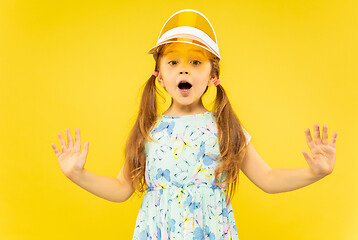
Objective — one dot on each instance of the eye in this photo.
(172, 61)
(197, 62)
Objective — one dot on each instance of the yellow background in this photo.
(82, 64)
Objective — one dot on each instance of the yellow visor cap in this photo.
(188, 26)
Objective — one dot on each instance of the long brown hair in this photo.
(231, 137)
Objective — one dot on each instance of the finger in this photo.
(62, 142)
(55, 149)
(334, 139)
(69, 138)
(309, 139)
(77, 140)
(317, 136)
(307, 157)
(85, 149)
(325, 134)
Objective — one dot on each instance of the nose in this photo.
(184, 69)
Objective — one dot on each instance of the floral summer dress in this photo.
(182, 201)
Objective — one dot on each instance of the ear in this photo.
(160, 80)
(212, 81)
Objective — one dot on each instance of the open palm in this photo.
(323, 155)
(71, 160)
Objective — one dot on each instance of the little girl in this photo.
(187, 158)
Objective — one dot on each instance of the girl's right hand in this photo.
(71, 160)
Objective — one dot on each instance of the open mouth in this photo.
(184, 86)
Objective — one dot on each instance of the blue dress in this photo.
(182, 201)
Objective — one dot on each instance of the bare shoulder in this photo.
(255, 168)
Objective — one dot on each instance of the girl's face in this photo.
(185, 62)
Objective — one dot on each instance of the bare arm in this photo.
(102, 186)
(109, 188)
(276, 180)
(289, 179)
(255, 168)
(72, 161)
(321, 163)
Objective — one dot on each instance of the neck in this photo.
(175, 110)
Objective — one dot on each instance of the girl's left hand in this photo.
(323, 154)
